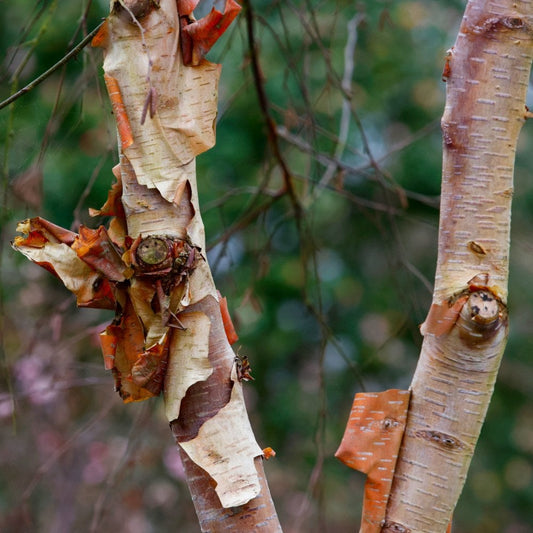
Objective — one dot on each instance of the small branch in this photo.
(263, 102)
(344, 127)
(52, 69)
(75, 226)
(247, 218)
(363, 169)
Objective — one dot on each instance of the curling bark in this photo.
(487, 76)
(156, 55)
(169, 333)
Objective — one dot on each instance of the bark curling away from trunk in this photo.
(487, 76)
(171, 331)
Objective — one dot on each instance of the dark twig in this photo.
(52, 69)
(265, 108)
(247, 218)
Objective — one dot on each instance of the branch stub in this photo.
(152, 251)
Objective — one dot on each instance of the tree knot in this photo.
(482, 317)
(394, 527)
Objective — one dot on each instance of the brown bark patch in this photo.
(394, 527)
(476, 248)
(205, 398)
(441, 439)
(498, 24)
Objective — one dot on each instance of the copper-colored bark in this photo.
(370, 444)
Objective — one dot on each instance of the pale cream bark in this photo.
(203, 395)
(168, 330)
(487, 75)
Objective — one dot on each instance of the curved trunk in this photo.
(487, 75)
(155, 54)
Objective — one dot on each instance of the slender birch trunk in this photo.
(169, 333)
(487, 76)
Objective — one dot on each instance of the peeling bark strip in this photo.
(149, 265)
(123, 122)
(370, 444)
(487, 75)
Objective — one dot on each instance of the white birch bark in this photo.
(465, 333)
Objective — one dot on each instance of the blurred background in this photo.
(326, 304)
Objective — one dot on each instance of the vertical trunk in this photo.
(157, 60)
(487, 75)
(150, 266)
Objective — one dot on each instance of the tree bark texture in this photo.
(169, 333)
(487, 75)
(202, 402)
(203, 393)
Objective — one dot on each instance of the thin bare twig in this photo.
(265, 109)
(75, 226)
(75, 51)
(326, 160)
(344, 126)
(50, 126)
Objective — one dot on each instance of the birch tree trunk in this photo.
(169, 333)
(487, 76)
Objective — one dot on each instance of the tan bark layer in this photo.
(258, 514)
(487, 74)
(202, 402)
(205, 398)
(151, 268)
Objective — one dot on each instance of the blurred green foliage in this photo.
(326, 305)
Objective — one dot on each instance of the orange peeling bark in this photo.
(168, 330)
(370, 444)
(229, 328)
(119, 109)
